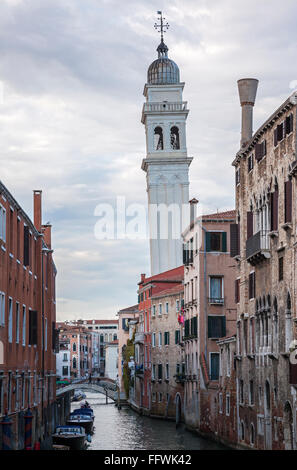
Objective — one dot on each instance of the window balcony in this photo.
(216, 301)
(258, 247)
(139, 338)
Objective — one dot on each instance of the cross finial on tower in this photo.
(163, 26)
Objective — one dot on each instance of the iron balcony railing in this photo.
(257, 244)
(216, 300)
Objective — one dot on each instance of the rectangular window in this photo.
(166, 338)
(154, 372)
(216, 241)
(160, 309)
(65, 370)
(167, 371)
(177, 305)
(252, 285)
(9, 387)
(281, 269)
(167, 307)
(160, 339)
(250, 162)
(289, 124)
(154, 340)
(17, 323)
(2, 223)
(160, 397)
(288, 201)
(227, 405)
(45, 334)
(24, 326)
(241, 392)
(10, 320)
(214, 366)
(160, 372)
(32, 327)
(154, 311)
(11, 231)
(260, 150)
(177, 336)
(2, 309)
(250, 224)
(216, 295)
(234, 240)
(216, 326)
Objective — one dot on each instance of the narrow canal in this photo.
(126, 430)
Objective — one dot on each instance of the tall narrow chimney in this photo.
(37, 209)
(247, 88)
(193, 204)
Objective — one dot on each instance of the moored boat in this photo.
(81, 419)
(71, 436)
(84, 411)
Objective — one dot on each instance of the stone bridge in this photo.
(106, 388)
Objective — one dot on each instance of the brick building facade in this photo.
(27, 319)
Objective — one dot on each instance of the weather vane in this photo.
(163, 26)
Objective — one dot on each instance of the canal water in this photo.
(126, 430)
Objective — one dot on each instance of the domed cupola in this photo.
(163, 71)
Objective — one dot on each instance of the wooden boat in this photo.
(81, 419)
(71, 436)
(84, 411)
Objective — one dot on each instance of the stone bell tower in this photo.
(166, 165)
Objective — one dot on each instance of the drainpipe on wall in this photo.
(205, 294)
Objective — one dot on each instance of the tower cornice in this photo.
(165, 161)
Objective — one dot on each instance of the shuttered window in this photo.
(26, 246)
(214, 366)
(274, 210)
(237, 177)
(289, 124)
(32, 327)
(252, 285)
(216, 241)
(216, 326)
(234, 240)
(177, 336)
(250, 224)
(194, 326)
(288, 201)
(187, 328)
(250, 162)
(260, 150)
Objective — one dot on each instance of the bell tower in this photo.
(166, 164)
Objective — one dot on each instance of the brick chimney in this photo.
(37, 208)
(247, 88)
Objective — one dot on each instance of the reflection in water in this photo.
(126, 430)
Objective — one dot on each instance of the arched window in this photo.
(158, 139)
(74, 363)
(275, 327)
(115, 337)
(74, 347)
(174, 138)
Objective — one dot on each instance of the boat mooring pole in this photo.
(106, 396)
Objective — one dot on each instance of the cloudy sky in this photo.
(72, 74)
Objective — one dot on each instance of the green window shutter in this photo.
(224, 242)
(223, 327)
(176, 336)
(207, 235)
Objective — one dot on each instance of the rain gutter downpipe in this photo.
(205, 294)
